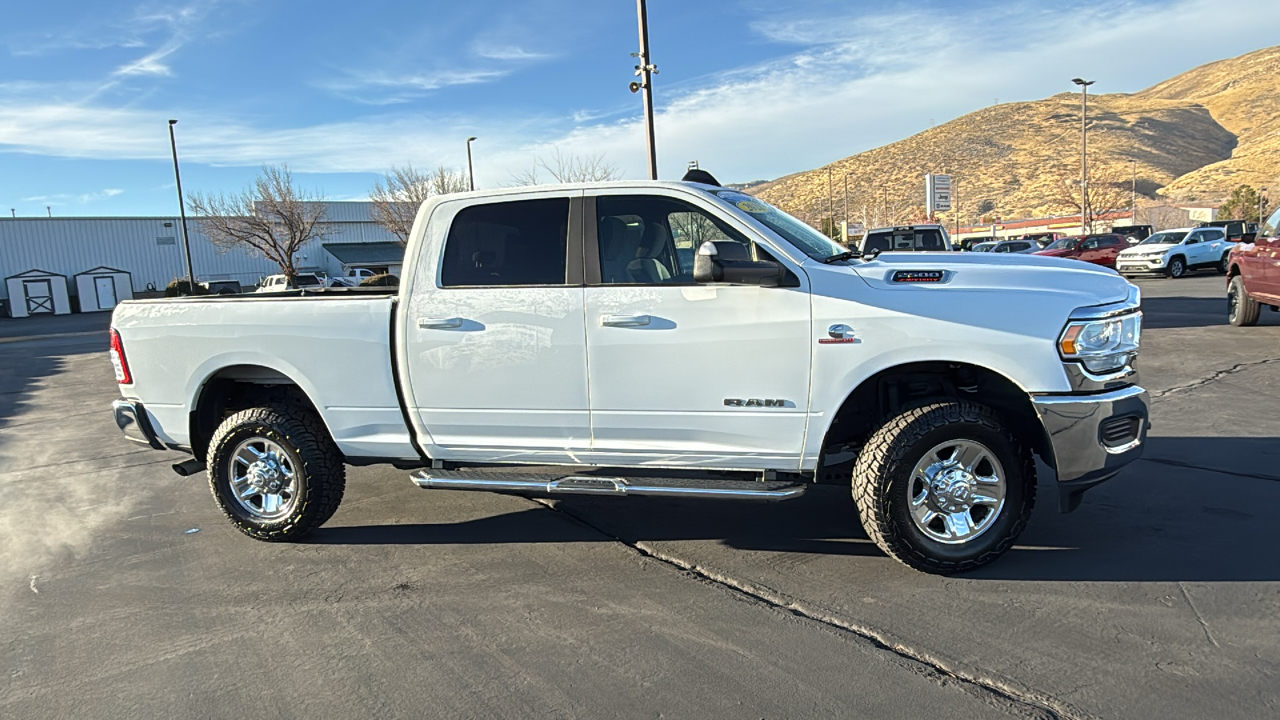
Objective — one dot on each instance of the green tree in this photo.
(1242, 205)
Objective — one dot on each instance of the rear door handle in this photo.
(624, 320)
(439, 323)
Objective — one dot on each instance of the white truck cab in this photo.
(654, 338)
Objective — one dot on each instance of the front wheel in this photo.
(275, 472)
(944, 488)
(1242, 310)
(1177, 268)
(1224, 264)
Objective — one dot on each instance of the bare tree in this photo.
(564, 168)
(272, 217)
(444, 180)
(1109, 189)
(396, 203)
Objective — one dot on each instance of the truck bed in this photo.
(334, 344)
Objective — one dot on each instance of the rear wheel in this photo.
(1242, 310)
(275, 472)
(1177, 267)
(944, 488)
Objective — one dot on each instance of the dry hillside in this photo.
(1192, 138)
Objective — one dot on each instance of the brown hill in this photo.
(1192, 138)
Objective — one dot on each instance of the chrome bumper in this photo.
(132, 420)
(1092, 437)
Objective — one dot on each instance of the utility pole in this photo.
(831, 208)
(182, 211)
(1133, 194)
(471, 172)
(646, 70)
(1261, 207)
(1084, 154)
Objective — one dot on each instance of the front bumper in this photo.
(1092, 437)
(1140, 265)
(132, 420)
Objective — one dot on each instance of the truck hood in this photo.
(986, 277)
(1149, 248)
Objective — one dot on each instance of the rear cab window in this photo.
(514, 243)
(905, 240)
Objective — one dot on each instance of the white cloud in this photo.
(853, 83)
(150, 64)
(82, 198)
(506, 52)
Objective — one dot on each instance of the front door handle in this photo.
(624, 320)
(439, 323)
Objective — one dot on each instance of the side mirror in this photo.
(730, 262)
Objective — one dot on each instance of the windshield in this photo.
(983, 247)
(1064, 244)
(804, 238)
(1164, 238)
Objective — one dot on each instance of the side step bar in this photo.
(553, 484)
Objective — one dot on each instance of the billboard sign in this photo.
(937, 193)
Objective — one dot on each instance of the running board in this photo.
(554, 484)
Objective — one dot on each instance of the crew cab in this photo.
(1253, 274)
(674, 339)
(1177, 252)
(1099, 249)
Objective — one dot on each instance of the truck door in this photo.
(493, 332)
(681, 373)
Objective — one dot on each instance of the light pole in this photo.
(182, 211)
(1261, 206)
(845, 229)
(471, 172)
(646, 70)
(1084, 153)
(831, 208)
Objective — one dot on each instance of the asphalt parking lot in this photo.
(124, 593)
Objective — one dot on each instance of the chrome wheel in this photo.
(1177, 268)
(956, 491)
(264, 482)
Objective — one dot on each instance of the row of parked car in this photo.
(1130, 250)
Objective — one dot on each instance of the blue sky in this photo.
(340, 91)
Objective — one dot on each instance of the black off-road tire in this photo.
(1224, 264)
(1177, 267)
(1242, 310)
(312, 451)
(881, 485)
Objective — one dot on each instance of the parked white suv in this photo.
(1176, 252)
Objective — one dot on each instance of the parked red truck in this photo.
(1253, 277)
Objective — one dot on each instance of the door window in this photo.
(509, 243)
(1090, 244)
(652, 240)
(1211, 235)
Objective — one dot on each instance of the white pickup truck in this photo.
(654, 338)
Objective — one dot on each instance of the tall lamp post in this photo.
(471, 172)
(646, 70)
(1084, 154)
(1133, 193)
(182, 211)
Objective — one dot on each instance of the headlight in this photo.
(1102, 345)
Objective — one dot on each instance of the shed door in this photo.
(39, 295)
(105, 287)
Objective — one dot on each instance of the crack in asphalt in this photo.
(1192, 466)
(1018, 701)
(1213, 377)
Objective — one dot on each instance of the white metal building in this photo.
(102, 288)
(149, 250)
(37, 292)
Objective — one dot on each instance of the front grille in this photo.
(1119, 431)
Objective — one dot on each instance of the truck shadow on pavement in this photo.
(1183, 312)
(1195, 509)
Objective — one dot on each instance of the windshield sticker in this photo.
(752, 206)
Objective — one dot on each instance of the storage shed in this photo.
(37, 292)
(102, 288)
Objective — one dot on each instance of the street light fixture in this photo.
(182, 211)
(1084, 153)
(471, 173)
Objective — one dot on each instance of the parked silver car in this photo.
(1006, 246)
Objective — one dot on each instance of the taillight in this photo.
(118, 360)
